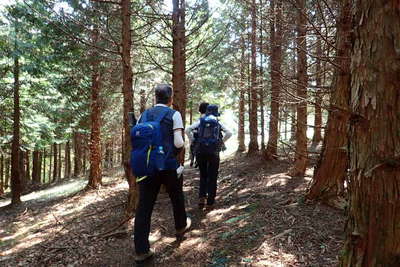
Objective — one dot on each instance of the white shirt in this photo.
(177, 125)
(189, 130)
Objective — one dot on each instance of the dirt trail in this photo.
(260, 219)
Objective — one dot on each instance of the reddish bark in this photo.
(276, 62)
(253, 144)
(331, 169)
(242, 88)
(128, 102)
(301, 155)
(373, 230)
(16, 182)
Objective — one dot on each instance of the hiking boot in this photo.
(181, 232)
(202, 203)
(141, 258)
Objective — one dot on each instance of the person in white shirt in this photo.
(172, 133)
(208, 159)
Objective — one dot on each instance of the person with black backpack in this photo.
(192, 133)
(210, 143)
(156, 140)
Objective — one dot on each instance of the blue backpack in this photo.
(209, 135)
(147, 155)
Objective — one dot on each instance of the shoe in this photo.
(202, 203)
(181, 232)
(141, 258)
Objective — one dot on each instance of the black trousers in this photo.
(208, 165)
(148, 190)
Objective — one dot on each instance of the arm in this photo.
(178, 130)
(178, 138)
(227, 133)
(189, 130)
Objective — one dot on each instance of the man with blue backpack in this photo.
(156, 140)
(210, 142)
(193, 135)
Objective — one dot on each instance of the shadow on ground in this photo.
(261, 219)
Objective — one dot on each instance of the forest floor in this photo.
(261, 219)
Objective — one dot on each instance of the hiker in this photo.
(170, 125)
(210, 143)
(192, 133)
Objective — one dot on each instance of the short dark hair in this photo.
(163, 93)
(203, 107)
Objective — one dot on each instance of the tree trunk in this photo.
(317, 137)
(142, 101)
(301, 156)
(77, 154)
(276, 62)
(84, 160)
(261, 79)
(242, 88)
(55, 162)
(36, 164)
(27, 166)
(331, 169)
(43, 156)
(16, 182)
(95, 115)
(191, 112)
(1, 174)
(373, 230)
(22, 167)
(179, 62)
(7, 174)
(253, 145)
(59, 162)
(128, 103)
(67, 155)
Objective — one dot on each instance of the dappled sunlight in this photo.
(53, 192)
(280, 179)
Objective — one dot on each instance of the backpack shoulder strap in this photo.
(161, 115)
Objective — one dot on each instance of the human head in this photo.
(213, 110)
(163, 93)
(203, 107)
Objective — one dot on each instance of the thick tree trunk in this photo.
(36, 164)
(95, 115)
(301, 156)
(276, 62)
(55, 162)
(331, 169)
(128, 103)
(242, 88)
(253, 145)
(16, 181)
(373, 230)
(179, 61)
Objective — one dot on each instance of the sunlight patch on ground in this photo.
(278, 179)
(50, 193)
